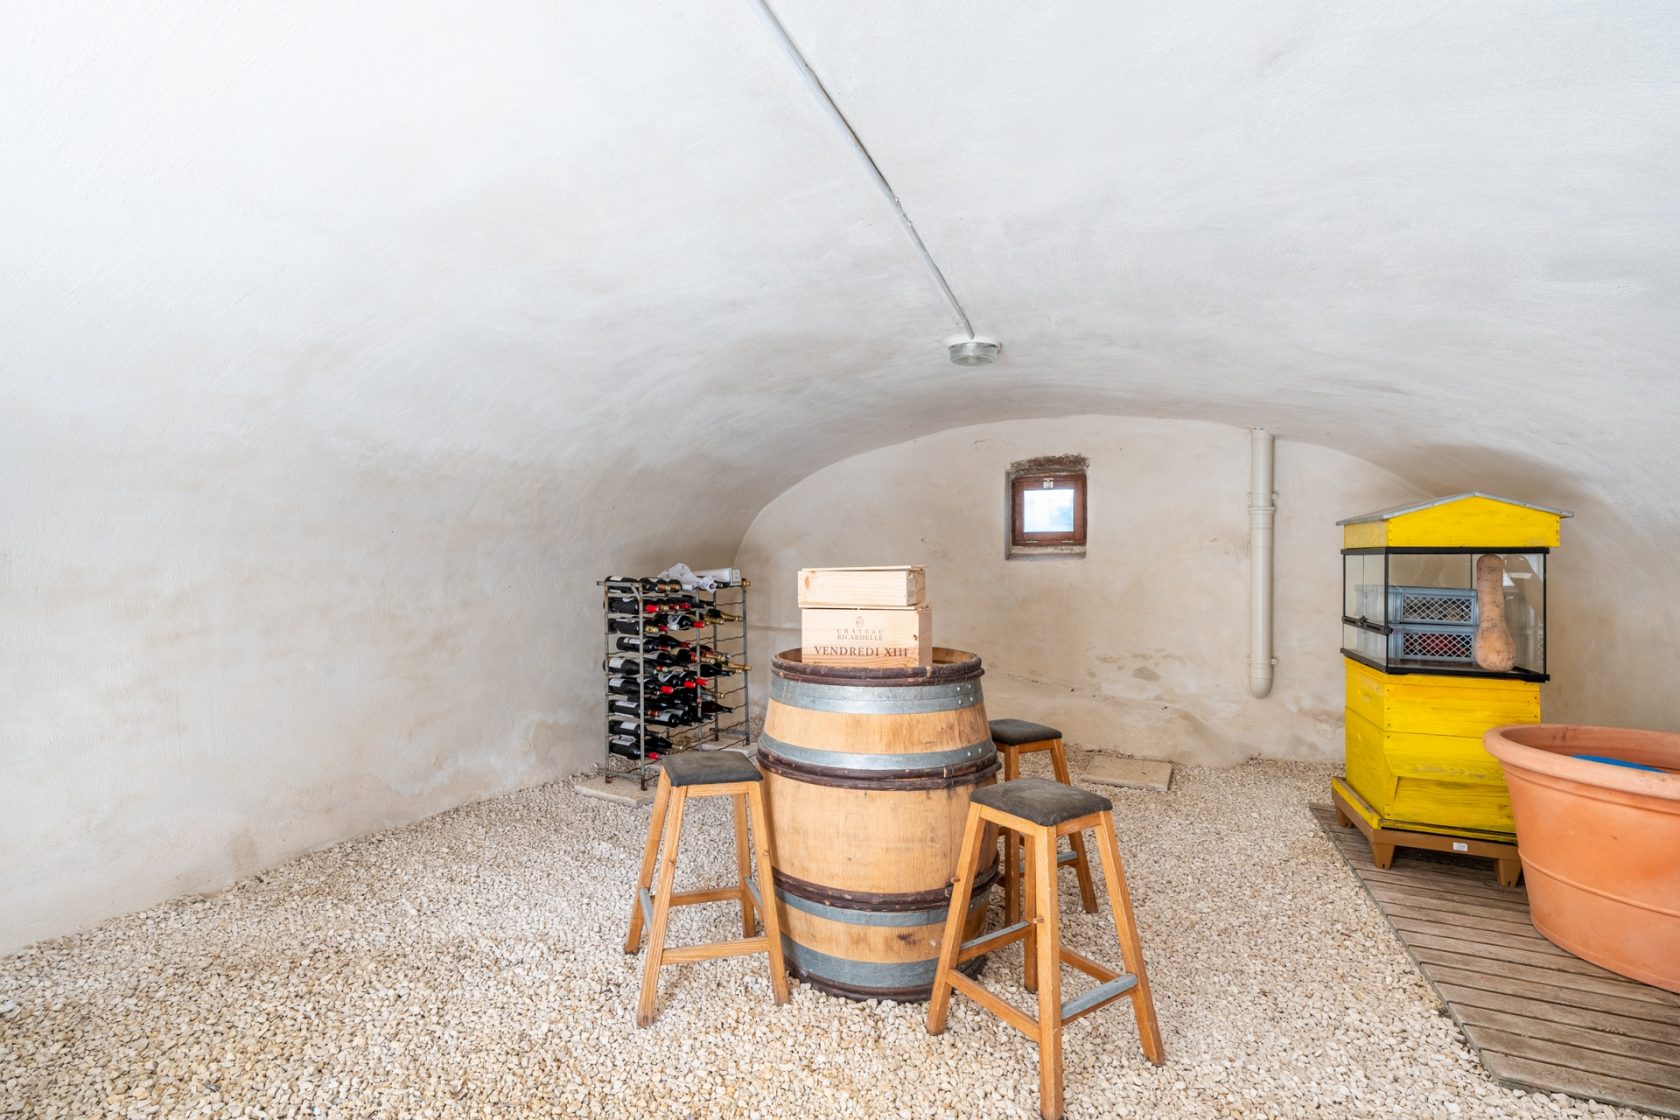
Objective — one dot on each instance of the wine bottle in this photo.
(719, 663)
(676, 621)
(624, 686)
(630, 709)
(622, 728)
(715, 615)
(635, 626)
(627, 746)
(676, 717)
(710, 707)
(636, 660)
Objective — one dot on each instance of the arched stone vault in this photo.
(340, 348)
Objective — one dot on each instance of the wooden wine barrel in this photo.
(868, 772)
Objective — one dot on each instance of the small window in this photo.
(1047, 512)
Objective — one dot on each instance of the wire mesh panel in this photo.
(1419, 644)
(1431, 604)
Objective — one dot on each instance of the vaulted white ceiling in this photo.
(1443, 236)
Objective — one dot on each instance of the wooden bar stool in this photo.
(1040, 812)
(705, 774)
(1014, 738)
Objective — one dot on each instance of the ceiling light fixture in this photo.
(975, 351)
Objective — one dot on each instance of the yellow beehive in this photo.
(1415, 761)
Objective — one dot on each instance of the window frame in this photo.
(1020, 483)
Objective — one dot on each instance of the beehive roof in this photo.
(1413, 507)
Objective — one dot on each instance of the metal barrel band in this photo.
(949, 665)
(854, 916)
(904, 781)
(852, 979)
(909, 901)
(869, 699)
(922, 764)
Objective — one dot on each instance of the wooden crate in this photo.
(863, 587)
(873, 636)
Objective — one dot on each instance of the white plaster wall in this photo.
(214, 661)
(1140, 646)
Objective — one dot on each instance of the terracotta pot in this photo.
(1600, 843)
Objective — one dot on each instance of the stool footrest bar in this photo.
(1089, 967)
(1008, 935)
(1015, 1018)
(1098, 996)
(715, 949)
(715, 894)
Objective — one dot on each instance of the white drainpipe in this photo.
(1262, 515)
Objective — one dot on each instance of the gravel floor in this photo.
(470, 966)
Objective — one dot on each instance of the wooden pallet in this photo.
(1538, 1017)
(1351, 809)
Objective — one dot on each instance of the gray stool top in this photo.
(1041, 802)
(1014, 732)
(709, 768)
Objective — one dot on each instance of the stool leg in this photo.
(1042, 857)
(1131, 949)
(1081, 858)
(1033, 914)
(769, 912)
(661, 909)
(1011, 848)
(661, 798)
(743, 865)
(962, 890)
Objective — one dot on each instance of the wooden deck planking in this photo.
(1538, 1017)
(1546, 1028)
(1557, 987)
(1478, 989)
(1554, 1078)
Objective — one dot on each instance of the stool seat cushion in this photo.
(1041, 802)
(709, 768)
(1014, 732)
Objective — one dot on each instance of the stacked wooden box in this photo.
(875, 617)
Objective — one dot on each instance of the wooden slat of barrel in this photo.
(818, 835)
(868, 773)
(868, 954)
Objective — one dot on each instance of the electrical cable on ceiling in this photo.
(971, 346)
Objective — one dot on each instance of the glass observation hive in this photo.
(1449, 610)
(1444, 637)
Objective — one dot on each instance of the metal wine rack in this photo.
(728, 638)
